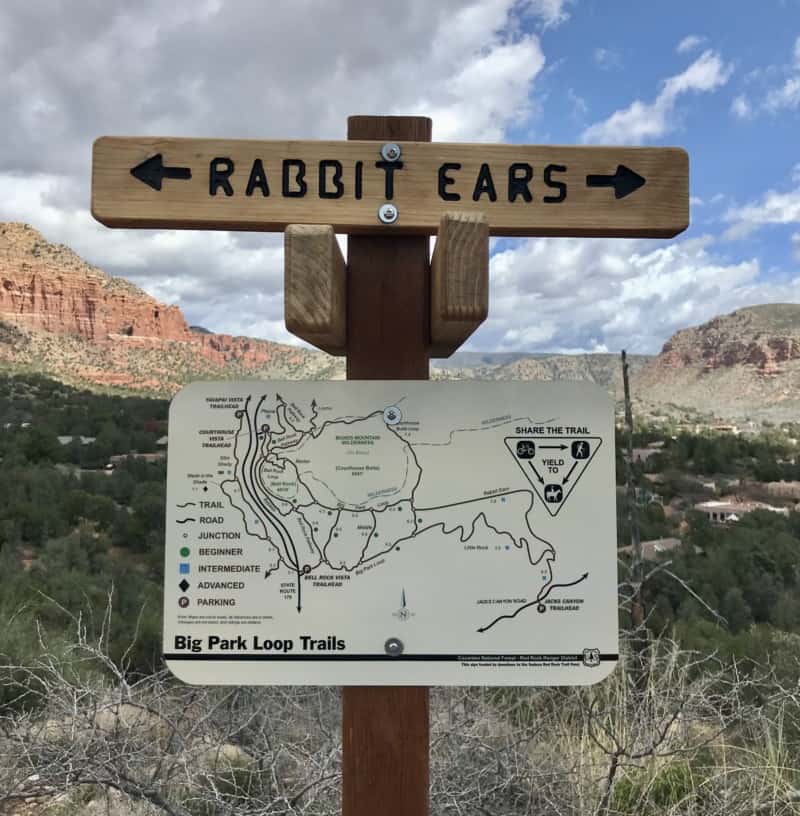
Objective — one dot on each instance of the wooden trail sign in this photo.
(389, 307)
(524, 190)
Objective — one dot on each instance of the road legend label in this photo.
(391, 533)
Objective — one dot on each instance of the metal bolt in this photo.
(388, 213)
(390, 151)
(393, 646)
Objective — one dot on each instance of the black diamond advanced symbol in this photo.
(184, 585)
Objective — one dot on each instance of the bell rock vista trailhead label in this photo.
(391, 533)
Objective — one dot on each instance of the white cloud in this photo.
(470, 64)
(781, 97)
(579, 106)
(598, 294)
(741, 108)
(785, 97)
(707, 73)
(551, 12)
(772, 208)
(689, 43)
(566, 295)
(641, 121)
(227, 282)
(501, 77)
(607, 59)
(74, 73)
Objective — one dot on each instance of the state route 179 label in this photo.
(409, 533)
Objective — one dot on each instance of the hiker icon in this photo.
(580, 449)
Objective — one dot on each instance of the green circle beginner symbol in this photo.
(185, 551)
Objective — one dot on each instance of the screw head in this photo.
(388, 214)
(393, 646)
(390, 151)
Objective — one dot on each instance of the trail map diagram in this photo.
(391, 531)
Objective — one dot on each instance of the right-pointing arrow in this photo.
(625, 181)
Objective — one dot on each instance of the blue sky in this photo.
(618, 52)
(721, 79)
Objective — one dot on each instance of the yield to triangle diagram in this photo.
(553, 464)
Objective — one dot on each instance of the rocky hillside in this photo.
(62, 317)
(603, 369)
(744, 365)
(46, 286)
(65, 318)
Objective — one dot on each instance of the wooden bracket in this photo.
(315, 283)
(315, 287)
(459, 280)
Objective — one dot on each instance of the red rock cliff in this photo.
(77, 323)
(47, 286)
(763, 337)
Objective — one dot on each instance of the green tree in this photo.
(735, 610)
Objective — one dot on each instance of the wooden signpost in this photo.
(522, 189)
(388, 308)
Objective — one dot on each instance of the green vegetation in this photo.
(69, 528)
(764, 457)
(745, 576)
(748, 573)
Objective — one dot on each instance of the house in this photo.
(783, 490)
(147, 457)
(724, 511)
(84, 440)
(643, 454)
(645, 496)
(653, 548)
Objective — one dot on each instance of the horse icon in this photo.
(553, 494)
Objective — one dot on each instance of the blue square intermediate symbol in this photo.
(183, 569)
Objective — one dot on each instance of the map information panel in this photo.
(378, 533)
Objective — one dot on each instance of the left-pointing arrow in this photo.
(152, 171)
